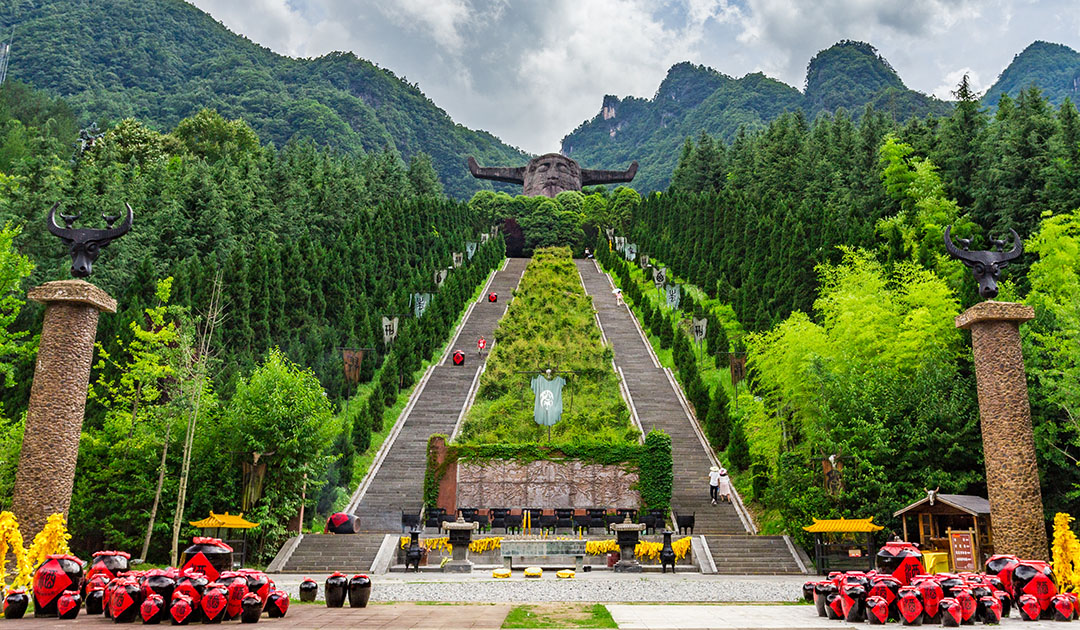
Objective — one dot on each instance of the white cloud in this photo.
(953, 78)
(440, 19)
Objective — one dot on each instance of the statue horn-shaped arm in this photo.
(954, 251)
(591, 178)
(499, 174)
(55, 229)
(124, 227)
(1017, 249)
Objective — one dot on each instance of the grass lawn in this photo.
(559, 615)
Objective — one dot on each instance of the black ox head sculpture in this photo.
(84, 245)
(985, 266)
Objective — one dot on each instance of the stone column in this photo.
(1012, 473)
(54, 417)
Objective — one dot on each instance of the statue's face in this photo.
(551, 174)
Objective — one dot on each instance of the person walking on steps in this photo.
(724, 486)
(714, 483)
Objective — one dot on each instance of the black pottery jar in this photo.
(1035, 578)
(277, 605)
(215, 600)
(911, 606)
(991, 610)
(1001, 566)
(1006, 602)
(335, 588)
(15, 603)
(834, 607)
(967, 603)
(808, 591)
(182, 610)
(951, 615)
(309, 588)
(208, 556)
(901, 560)
(252, 607)
(57, 574)
(192, 586)
(821, 593)
(152, 609)
(359, 591)
(877, 610)
(853, 600)
(258, 583)
(1063, 608)
(158, 581)
(236, 588)
(68, 605)
(932, 594)
(109, 564)
(341, 523)
(888, 588)
(125, 600)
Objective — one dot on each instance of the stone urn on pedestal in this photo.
(460, 534)
(626, 535)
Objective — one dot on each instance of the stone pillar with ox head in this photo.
(1012, 472)
(54, 418)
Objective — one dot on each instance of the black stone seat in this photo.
(512, 524)
(582, 522)
(498, 517)
(685, 522)
(548, 522)
(409, 522)
(433, 515)
(564, 517)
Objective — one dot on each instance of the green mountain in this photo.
(1054, 68)
(163, 60)
(695, 99)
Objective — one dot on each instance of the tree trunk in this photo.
(157, 494)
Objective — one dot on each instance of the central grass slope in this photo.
(550, 323)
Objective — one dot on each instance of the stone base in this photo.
(458, 566)
(622, 566)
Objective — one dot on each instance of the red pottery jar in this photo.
(215, 600)
(277, 605)
(182, 610)
(208, 556)
(901, 560)
(15, 603)
(59, 572)
(152, 609)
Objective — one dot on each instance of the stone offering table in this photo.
(541, 552)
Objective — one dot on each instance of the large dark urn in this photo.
(901, 560)
(183, 610)
(341, 523)
(309, 588)
(1034, 577)
(68, 605)
(991, 610)
(95, 594)
(951, 614)
(1002, 567)
(336, 586)
(414, 553)
(667, 555)
(877, 611)
(15, 603)
(109, 564)
(277, 605)
(192, 585)
(152, 609)
(853, 601)
(57, 574)
(821, 592)
(359, 591)
(208, 556)
(160, 582)
(252, 606)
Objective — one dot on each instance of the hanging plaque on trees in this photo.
(421, 301)
(389, 330)
(659, 277)
(440, 278)
(353, 359)
(631, 251)
(470, 249)
(673, 293)
(698, 327)
(644, 261)
(484, 237)
(459, 259)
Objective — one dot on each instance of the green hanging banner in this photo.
(673, 294)
(547, 410)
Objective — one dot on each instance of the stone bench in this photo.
(542, 551)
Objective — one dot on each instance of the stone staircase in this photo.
(752, 555)
(396, 480)
(658, 406)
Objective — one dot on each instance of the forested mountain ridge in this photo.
(1054, 68)
(695, 99)
(161, 61)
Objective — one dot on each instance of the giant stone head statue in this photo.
(551, 174)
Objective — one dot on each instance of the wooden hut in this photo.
(844, 544)
(953, 524)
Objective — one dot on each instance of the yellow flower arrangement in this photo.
(644, 550)
(11, 539)
(480, 545)
(1066, 554)
(431, 544)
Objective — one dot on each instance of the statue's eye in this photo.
(91, 248)
(543, 168)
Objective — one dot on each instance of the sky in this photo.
(531, 71)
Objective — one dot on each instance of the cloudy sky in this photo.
(530, 71)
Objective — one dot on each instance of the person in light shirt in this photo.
(714, 483)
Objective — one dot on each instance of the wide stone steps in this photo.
(742, 555)
(398, 482)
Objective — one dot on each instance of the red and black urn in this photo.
(808, 591)
(359, 591)
(125, 600)
(341, 523)
(853, 602)
(1001, 566)
(182, 610)
(1035, 578)
(1075, 602)
(888, 588)
(158, 581)
(68, 604)
(949, 581)
(1062, 607)
(277, 605)
(493, 297)
(215, 600)
(1006, 602)
(834, 606)
(336, 586)
(208, 556)
(109, 564)
(309, 588)
(991, 610)
(236, 588)
(932, 594)
(252, 607)
(192, 586)
(877, 610)
(152, 609)
(911, 606)
(821, 591)
(951, 614)
(968, 604)
(1029, 607)
(15, 603)
(57, 574)
(901, 560)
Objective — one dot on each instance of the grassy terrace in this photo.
(550, 323)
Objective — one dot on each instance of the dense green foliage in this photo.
(651, 459)
(161, 61)
(695, 99)
(826, 239)
(549, 325)
(309, 248)
(1054, 68)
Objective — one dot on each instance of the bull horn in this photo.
(1017, 249)
(949, 247)
(55, 229)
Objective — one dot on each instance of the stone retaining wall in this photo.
(544, 484)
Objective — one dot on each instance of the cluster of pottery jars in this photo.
(180, 596)
(894, 592)
(339, 586)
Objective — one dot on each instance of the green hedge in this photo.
(651, 461)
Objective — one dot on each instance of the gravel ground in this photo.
(589, 587)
